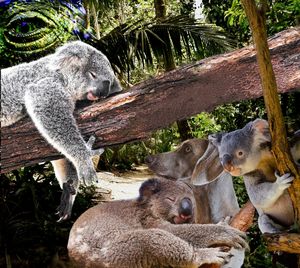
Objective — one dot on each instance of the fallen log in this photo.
(158, 102)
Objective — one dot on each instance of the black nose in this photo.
(149, 159)
(226, 160)
(104, 91)
(186, 207)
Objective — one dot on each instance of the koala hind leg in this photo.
(66, 175)
(156, 248)
(267, 225)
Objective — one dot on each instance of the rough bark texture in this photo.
(283, 242)
(244, 219)
(156, 103)
(280, 147)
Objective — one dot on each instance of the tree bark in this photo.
(287, 242)
(280, 146)
(243, 220)
(159, 102)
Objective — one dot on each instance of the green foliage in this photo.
(203, 124)
(231, 16)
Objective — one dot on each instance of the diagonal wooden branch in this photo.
(280, 147)
(157, 103)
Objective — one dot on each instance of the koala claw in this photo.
(285, 180)
(66, 201)
(225, 221)
(99, 152)
(91, 141)
(212, 255)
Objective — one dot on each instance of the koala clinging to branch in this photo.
(246, 152)
(150, 232)
(47, 89)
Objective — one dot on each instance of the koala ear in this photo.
(69, 56)
(215, 139)
(148, 188)
(260, 129)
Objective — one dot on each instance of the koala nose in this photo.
(226, 162)
(104, 91)
(185, 208)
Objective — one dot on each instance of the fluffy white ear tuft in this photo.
(68, 56)
(215, 139)
(261, 128)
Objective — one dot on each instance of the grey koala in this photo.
(155, 230)
(47, 90)
(246, 152)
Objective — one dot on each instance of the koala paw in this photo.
(87, 174)
(90, 143)
(219, 255)
(229, 236)
(284, 181)
(267, 225)
(64, 209)
(225, 221)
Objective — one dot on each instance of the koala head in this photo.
(86, 71)
(168, 200)
(241, 150)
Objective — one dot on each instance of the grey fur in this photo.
(246, 152)
(47, 90)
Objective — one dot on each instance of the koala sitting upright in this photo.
(149, 232)
(246, 152)
(47, 89)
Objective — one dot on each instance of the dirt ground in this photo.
(123, 185)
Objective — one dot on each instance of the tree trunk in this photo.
(280, 147)
(184, 129)
(169, 64)
(159, 102)
(96, 23)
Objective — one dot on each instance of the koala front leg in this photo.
(51, 110)
(156, 248)
(264, 195)
(208, 235)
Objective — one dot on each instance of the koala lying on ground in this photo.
(46, 90)
(246, 152)
(147, 232)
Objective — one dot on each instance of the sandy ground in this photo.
(125, 185)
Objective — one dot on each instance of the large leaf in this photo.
(180, 36)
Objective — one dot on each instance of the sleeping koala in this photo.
(47, 90)
(150, 232)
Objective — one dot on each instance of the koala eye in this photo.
(240, 153)
(172, 199)
(188, 149)
(92, 75)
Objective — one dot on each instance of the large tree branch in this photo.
(158, 102)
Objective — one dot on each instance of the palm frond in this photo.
(179, 36)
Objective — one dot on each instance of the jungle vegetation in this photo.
(152, 37)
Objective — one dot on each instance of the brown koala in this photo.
(145, 232)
